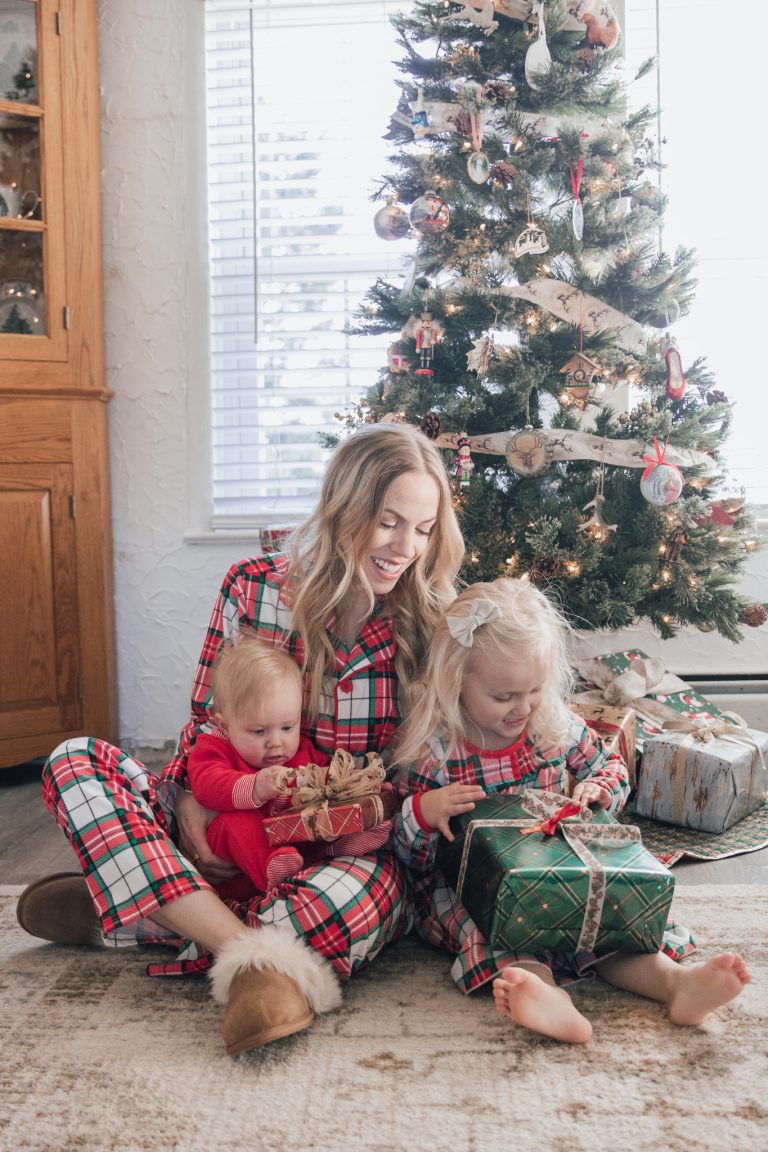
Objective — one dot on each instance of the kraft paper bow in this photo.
(707, 731)
(341, 782)
(462, 628)
(633, 686)
(577, 830)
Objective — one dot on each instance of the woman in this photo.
(355, 603)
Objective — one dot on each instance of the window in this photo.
(299, 97)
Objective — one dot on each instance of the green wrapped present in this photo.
(631, 679)
(535, 880)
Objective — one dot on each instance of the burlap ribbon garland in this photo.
(577, 829)
(340, 783)
(705, 731)
(632, 687)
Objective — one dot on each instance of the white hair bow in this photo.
(462, 628)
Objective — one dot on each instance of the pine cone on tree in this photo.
(755, 615)
(503, 173)
(431, 426)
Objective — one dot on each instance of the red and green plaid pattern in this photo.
(359, 707)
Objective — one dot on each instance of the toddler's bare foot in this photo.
(526, 999)
(700, 988)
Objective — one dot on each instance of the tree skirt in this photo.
(669, 843)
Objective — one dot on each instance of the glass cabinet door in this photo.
(32, 275)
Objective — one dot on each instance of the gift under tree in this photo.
(533, 328)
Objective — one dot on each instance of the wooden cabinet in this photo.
(57, 664)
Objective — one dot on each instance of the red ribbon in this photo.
(576, 180)
(659, 452)
(549, 827)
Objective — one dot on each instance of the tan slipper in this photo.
(263, 1006)
(59, 908)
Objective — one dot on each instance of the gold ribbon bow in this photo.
(577, 831)
(340, 783)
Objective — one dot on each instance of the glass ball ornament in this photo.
(391, 222)
(661, 483)
(430, 214)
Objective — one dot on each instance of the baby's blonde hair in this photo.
(247, 667)
(530, 629)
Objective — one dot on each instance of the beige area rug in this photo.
(98, 1057)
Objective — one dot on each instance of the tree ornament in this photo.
(676, 383)
(661, 483)
(503, 174)
(428, 333)
(431, 425)
(601, 35)
(399, 358)
(665, 315)
(596, 526)
(465, 465)
(478, 12)
(577, 212)
(478, 164)
(579, 381)
(430, 214)
(538, 60)
(391, 222)
(674, 546)
(755, 615)
(480, 356)
(529, 452)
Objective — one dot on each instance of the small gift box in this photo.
(536, 873)
(703, 774)
(632, 679)
(616, 727)
(333, 801)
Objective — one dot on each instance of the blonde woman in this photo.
(354, 604)
(494, 718)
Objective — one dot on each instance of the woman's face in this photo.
(402, 531)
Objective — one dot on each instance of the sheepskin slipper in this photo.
(59, 908)
(272, 985)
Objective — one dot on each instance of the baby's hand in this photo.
(587, 792)
(439, 804)
(269, 783)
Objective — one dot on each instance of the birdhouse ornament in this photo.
(580, 379)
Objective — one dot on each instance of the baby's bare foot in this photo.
(526, 999)
(700, 988)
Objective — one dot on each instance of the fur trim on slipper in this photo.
(280, 950)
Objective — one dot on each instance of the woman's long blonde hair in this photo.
(325, 551)
(529, 629)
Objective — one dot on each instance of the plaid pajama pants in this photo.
(108, 807)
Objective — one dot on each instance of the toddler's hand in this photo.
(587, 792)
(439, 804)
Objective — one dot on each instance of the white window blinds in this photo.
(299, 96)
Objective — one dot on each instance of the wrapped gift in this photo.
(329, 821)
(333, 801)
(703, 774)
(537, 873)
(632, 679)
(615, 726)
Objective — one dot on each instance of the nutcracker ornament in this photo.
(465, 465)
(428, 334)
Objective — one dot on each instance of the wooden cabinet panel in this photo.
(38, 601)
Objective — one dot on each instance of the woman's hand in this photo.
(192, 820)
(587, 792)
(439, 804)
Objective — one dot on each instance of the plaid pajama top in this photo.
(503, 770)
(359, 708)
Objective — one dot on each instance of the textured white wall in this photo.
(155, 353)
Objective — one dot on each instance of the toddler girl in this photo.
(494, 718)
(238, 765)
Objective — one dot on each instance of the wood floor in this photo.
(31, 845)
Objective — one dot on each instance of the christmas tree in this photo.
(533, 330)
